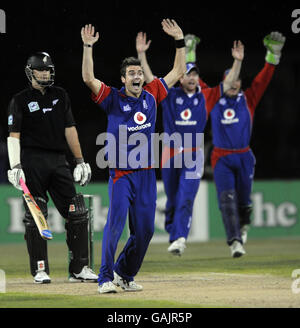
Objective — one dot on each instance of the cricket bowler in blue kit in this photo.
(185, 112)
(232, 159)
(132, 188)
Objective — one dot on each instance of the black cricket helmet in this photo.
(40, 61)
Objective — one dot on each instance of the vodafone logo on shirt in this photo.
(139, 118)
(229, 117)
(229, 114)
(186, 114)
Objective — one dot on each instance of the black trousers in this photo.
(48, 172)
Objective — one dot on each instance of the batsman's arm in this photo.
(88, 38)
(141, 47)
(179, 67)
(233, 75)
(73, 141)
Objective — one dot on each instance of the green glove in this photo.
(274, 43)
(191, 42)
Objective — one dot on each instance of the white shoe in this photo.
(86, 275)
(128, 286)
(42, 278)
(244, 232)
(177, 247)
(107, 287)
(237, 249)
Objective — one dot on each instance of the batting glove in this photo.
(191, 42)
(14, 176)
(82, 172)
(274, 43)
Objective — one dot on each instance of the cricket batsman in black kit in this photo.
(41, 124)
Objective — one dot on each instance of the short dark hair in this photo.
(128, 62)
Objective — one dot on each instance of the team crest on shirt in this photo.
(179, 101)
(196, 101)
(229, 117)
(139, 118)
(222, 101)
(33, 106)
(126, 108)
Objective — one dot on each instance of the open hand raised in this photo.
(172, 29)
(87, 35)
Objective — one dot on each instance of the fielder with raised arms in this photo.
(132, 188)
(232, 159)
(185, 111)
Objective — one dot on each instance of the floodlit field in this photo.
(205, 276)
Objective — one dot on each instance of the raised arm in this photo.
(141, 47)
(88, 39)
(274, 43)
(238, 55)
(179, 67)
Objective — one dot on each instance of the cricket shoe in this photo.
(127, 286)
(237, 249)
(86, 275)
(177, 247)
(107, 287)
(42, 278)
(244, 232)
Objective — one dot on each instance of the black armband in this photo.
(87, 45)
(179, 43)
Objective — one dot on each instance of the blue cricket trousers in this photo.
(233, 175)
(134, 194)
(181, 192)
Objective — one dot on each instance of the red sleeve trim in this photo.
(158, 89)
(102, 94)
(202, 84)
(211, 96)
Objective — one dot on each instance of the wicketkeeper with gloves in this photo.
(232, 159)
(41, 125)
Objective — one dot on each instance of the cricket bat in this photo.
(36, 212)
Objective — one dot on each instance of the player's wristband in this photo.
(180, 43)
(272, 58)
(79, 160)
(87, 45)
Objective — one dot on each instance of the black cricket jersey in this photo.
(41, 119)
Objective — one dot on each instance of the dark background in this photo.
(54, 26)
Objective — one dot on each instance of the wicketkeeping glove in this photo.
(14, 176)
(274, 43)
(82, 172)
(191, 42)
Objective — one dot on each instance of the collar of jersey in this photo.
(198, 90)
(36, 90)
(132, 99)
